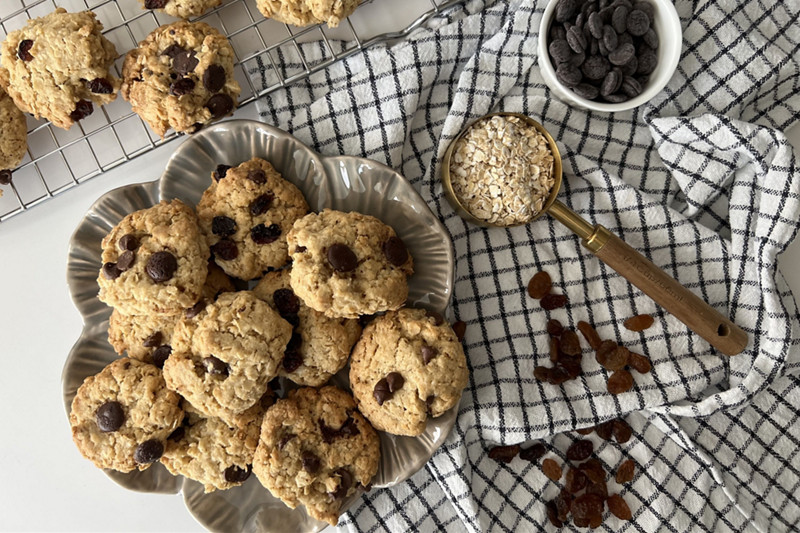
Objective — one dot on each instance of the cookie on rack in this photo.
(316, 450)
(57, 67)
(181, 8)
(181, 77)
(148, 338)
(223, 360)
(155, 261)
(14, 141)
(212, 451)
(308, 12)
(245, 215)
(320, 345)
(407, 366)
(348, 264)
(121, 416)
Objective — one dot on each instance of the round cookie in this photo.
(181, 77)
(320, 345)
(57, 66)
(245, 215)
(154, 261)
(405, 368)
(14, 141)
(181, 8)
(223, 360)
(213, 452)
(148, 338)
(348, 264)
(307, 12)
(121, 417)
(316, 450)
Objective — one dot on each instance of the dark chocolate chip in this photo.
(178, 434)
(595, 67)
(197, 126)
(381, 391)
(395, 251)
(622, 54)
(148, 452)
(395, 381)
(223, 226)
(568, 74)
(261, 205)
(100, 86)
(577, 41)
(346, 481)
(215, 366)
(647, 63)
(595, 25)
(615, 98)
(263, 234)
(161, 354)
(285, 440)
(161, 266)
(173, 50)
(428, 353)
(23, 51)
(214, 78)
(83, 109)
(311, 462)
(181, 87)
(612, 82)
(560, 51)
(565, 9)
(219, 105)
(125, 260)
(153, 340)
(437, 318)
(342, 258)
(220, 172)
(349, 429)
(257, 176)
(651, 38)
(584, 90)
(225, 250)
(235, 474)
(292, 358)
(110, 416)
(631, 87)
(128, 242)
(110, 271)
(619, 19)
(558, 33)
(638, 23)
(5, 177)
(185, 61)
(286, 302)
(610, 38)
(195, 310)
(630, 68)
(155, 4)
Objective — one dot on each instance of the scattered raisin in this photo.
(533, 453)
(639, 363)
(625, 472)
(605, 429)
(586, 506)
(590, 334)
(551, 469)
(576, 481)
(552, 301)
(554, 349)
(585, 431)
(580, 450)
(621, 430)
(539, 285)
(570, 344)
(504, 454)
(605, 348)
(617, 359)
(593, 469)
(618, 507)
(559, 375)
(600, 489)
(638, 322)
(542, 373)
(563, 504)
(552, 513)
(619, 382)
(554, 328)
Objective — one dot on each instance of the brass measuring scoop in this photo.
(686, 306)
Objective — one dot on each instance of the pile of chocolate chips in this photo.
(603, 49)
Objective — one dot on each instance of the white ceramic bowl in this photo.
(668, 27)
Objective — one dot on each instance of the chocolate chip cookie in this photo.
(148, 338)
(212, 451)
(181, 8)
(348, 264)
(320, 345)
(245, 215)
(407, 366)
(14, 141)
(121, 417)
(307, 12)
(316, 450)
(181, 77)
(223, 359)
(154, 261)
(57, 67)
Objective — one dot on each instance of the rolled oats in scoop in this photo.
(502, 170)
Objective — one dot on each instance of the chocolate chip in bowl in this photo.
(605, 55)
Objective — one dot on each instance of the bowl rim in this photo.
(670, 16)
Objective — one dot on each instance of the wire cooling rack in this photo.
(58, 160)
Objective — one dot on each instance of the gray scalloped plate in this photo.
(339, 182)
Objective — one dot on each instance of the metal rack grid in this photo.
(58, 160)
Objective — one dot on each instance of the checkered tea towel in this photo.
(701, 180)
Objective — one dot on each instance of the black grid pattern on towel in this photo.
(701, 180)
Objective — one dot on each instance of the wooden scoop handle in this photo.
(686, 306)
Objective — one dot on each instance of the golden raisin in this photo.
(570, 344)
(554, 349)
(552, 301)
(605, 348)
(619, 382)
(617, 359)
(539, 285)
(639, 363)
(580, 450)
(590, 334)
(593, 469)
(638, 322)
(618, 507)
(551, 469)
(625, 472)
(575, 481)
(554, 328)
(621, 430)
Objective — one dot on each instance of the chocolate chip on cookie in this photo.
(161, 354)
(428, 353)
(342, 258)
(214, 78)
(153, 340)
(161, 266)
(234, 474)
(220, 172)
(110, 271)
(125, 260)
(148, 452)
(215, 366)
(110, 416)
(128, 242)
(395, 251)
(219, 105)
(311, 462)
(5, 177)
(181, 87)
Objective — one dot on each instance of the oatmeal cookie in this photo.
(181, 77)
(223, 359)
(154, 261)
(14, 141)
(320, 345)
(307, 12)
(348, 264)
(405, 368)
(57, 66)
(316, 450)
(245, 215)
(121, 417)
(181, 8)
(148, 338)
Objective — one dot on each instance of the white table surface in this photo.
(45, 485)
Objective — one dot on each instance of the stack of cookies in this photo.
(195, 390)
